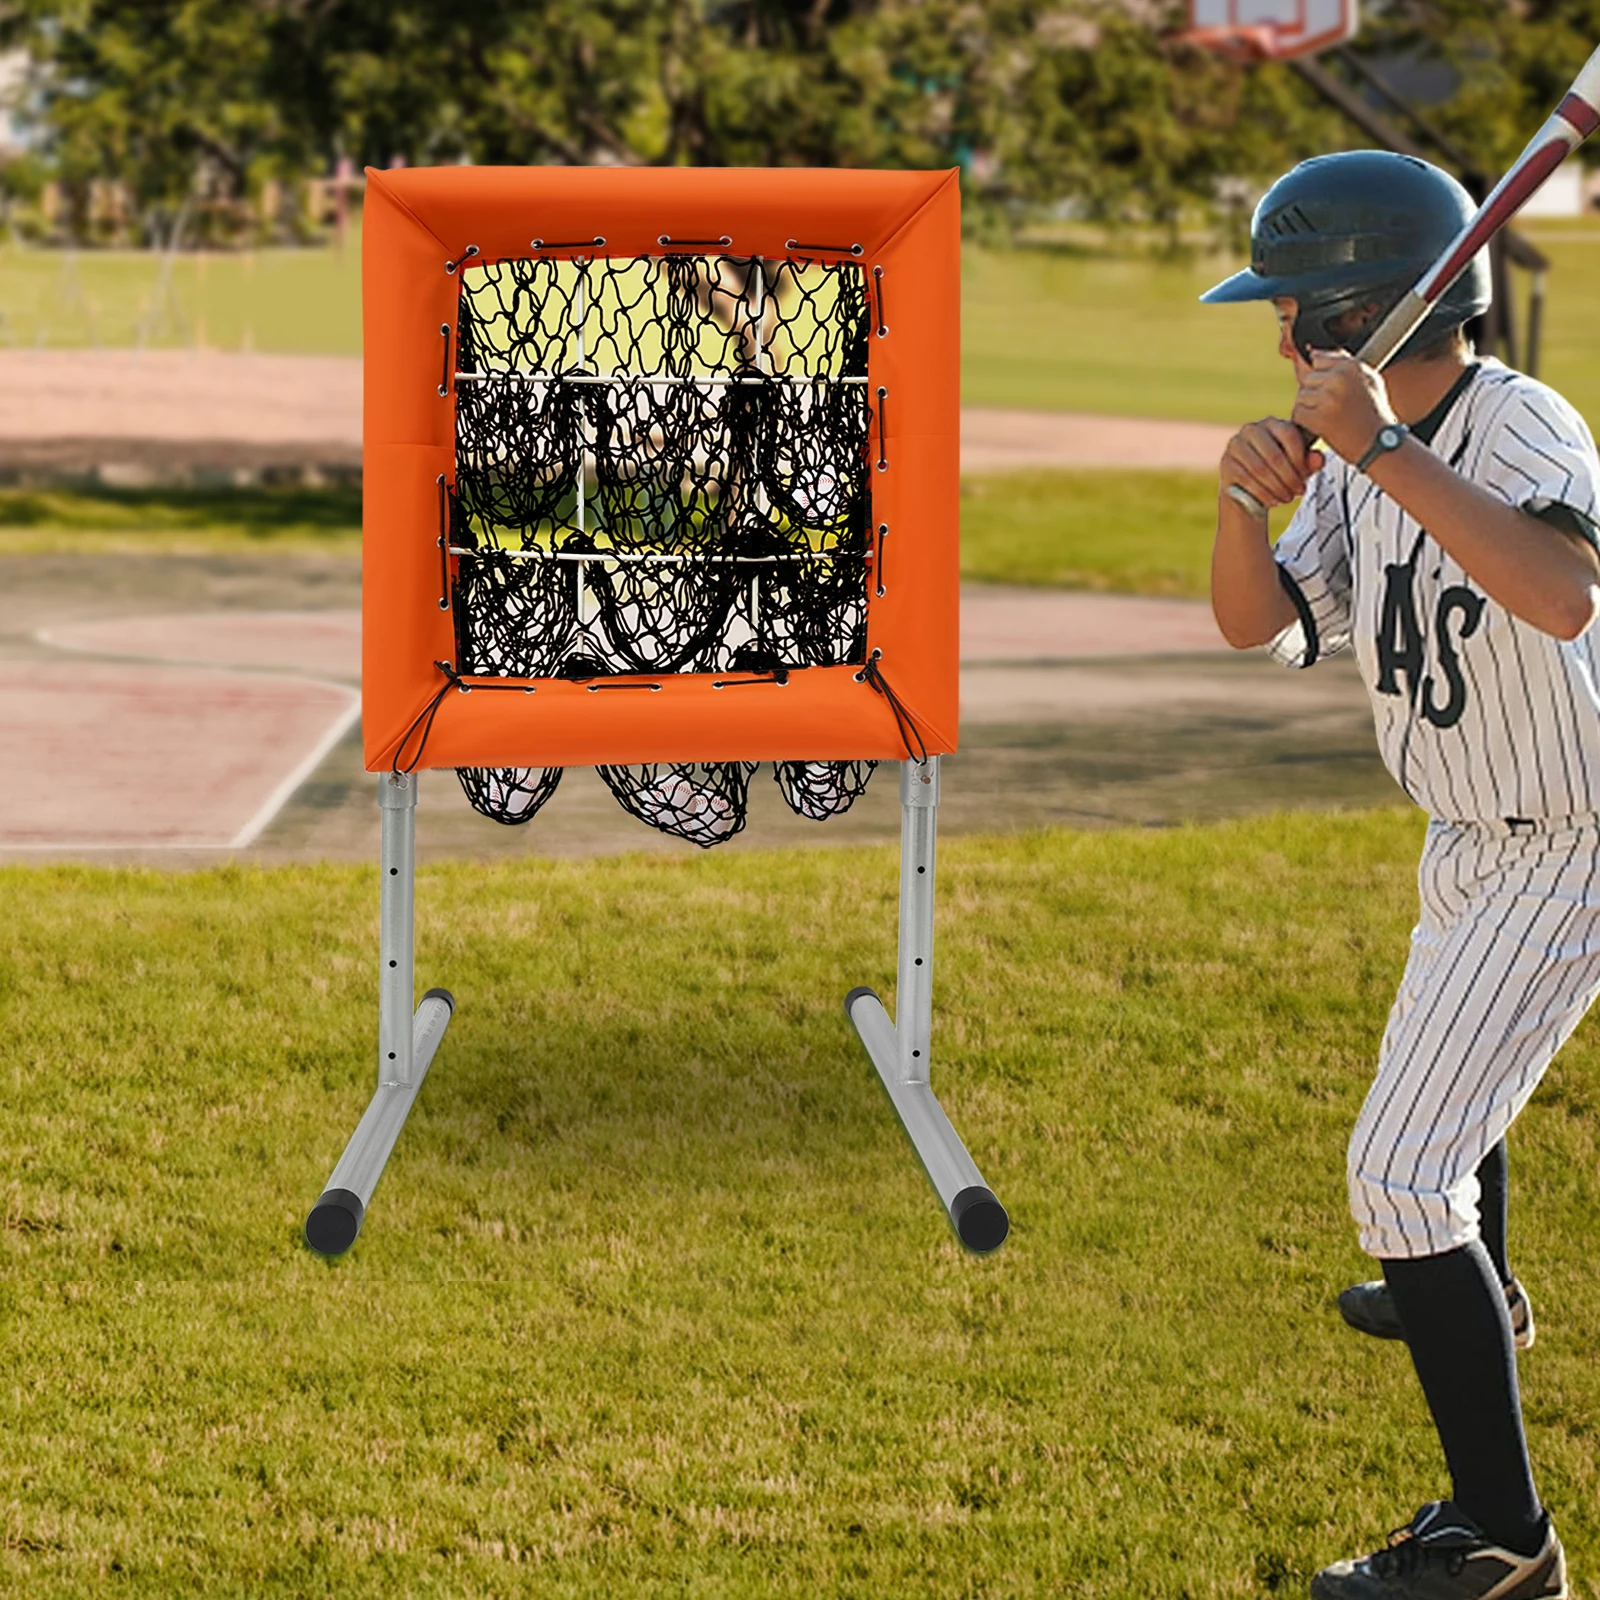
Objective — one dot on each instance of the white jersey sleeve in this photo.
(1313, 559)
(1540, 453)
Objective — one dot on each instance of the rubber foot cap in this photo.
(855, 994)
(980, 1220)
(442, 994)
(334, 1222)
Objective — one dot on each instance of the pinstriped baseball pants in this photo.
(1505, 960)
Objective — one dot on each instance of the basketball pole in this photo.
(407, 1041)
(900, 1050)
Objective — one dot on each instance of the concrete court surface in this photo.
(1079, 709)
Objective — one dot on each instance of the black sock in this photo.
(1492, 1208)
(1453, 1309)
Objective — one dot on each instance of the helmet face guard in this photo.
(1343, 232)
(1317, 318)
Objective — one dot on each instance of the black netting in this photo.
(662, 466)
(509, 794)
(822, 789)
(702, 803)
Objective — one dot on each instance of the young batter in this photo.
(1446, 534)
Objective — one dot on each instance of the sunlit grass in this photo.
(1137, 532)
(653, 1299)
(306, 302)
(1068, 330)
(157, 520)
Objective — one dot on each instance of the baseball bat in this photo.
(1564, 130)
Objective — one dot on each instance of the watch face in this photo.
(1389, 438)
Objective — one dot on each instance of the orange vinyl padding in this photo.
(416, 221)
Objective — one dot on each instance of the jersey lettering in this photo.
(1456, 599)
(1401, 648)
(1399, 635)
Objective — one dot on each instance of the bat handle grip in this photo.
(1242, 497)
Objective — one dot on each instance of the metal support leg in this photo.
(406, 1042)
(900, 1051)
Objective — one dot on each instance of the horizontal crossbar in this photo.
(654, 558)
(628, 377)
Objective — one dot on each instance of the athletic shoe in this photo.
(1369, 1308)
(1443, 1555)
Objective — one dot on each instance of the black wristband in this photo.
(1389, 437)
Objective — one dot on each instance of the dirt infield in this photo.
(998, 441)
(130, 413)
(1000, 623)
(135, 412)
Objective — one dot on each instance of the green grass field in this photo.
(1064, 331)
(654, 1301)
(1145, 533)
(1043, 328)
(307, 302)
(55, 520)
(1138, 532)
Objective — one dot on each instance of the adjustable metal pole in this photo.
(900, 1051)
(406, 1042)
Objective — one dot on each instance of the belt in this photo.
(1524, 827)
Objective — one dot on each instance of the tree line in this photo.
(199, 107)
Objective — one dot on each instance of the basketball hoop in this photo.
(1269, 30)
(1232, 44)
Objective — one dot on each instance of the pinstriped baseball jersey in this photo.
(1479, 715)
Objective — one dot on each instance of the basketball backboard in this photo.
(1271, 29)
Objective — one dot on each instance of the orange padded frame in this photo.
(418, 220)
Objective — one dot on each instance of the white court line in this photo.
(264, 814)
(269, 808)
(280, 796)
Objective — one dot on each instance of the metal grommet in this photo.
(825, 249)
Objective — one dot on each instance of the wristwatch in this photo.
(1390, 437)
